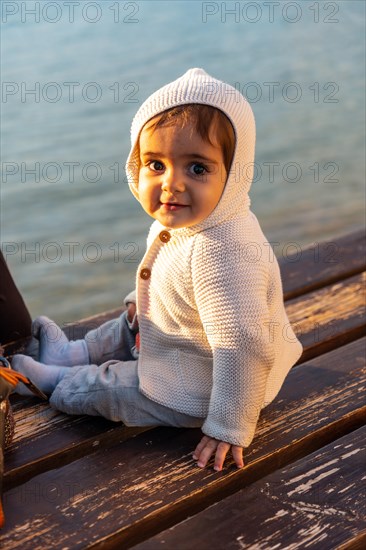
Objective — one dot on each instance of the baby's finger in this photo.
(238, 456)
(207, 452)
(201, 445)
(221, 453)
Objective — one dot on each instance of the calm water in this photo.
(72, 231)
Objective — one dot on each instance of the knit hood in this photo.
(196, 86)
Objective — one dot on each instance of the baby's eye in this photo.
(198, 169)
(156, 165)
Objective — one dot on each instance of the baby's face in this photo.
(181, 176)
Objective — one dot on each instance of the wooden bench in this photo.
(77, 482)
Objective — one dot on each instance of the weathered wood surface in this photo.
(322, 319)
(132, 488)
(332, 316)
(318, 501)
(321, 263)
(75, 482)
(46, 438)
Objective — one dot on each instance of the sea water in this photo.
(71, 231)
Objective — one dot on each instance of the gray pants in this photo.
(111, 389)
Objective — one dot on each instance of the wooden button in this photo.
(145, 273)
(165, 236)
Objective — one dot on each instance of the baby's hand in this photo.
(208, 445)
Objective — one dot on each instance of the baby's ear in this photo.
(133, 172)
(133, 169)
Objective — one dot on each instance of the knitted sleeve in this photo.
(230, 291)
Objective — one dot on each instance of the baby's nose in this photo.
(173, 183)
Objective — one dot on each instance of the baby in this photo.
(215, 343)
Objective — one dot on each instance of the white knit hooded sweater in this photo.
(215, 340)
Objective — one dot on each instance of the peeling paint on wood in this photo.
(265, 515)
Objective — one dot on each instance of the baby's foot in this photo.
(51, 338)
(45, 377)
(55, 348)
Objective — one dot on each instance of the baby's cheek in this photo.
(142, 185)
(149, 195)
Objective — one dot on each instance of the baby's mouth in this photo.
(172, 206)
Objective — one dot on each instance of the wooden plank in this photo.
(321, 263)
(318, 502)
(133, 490)
(329, 317)
(46, 438)
(323, 319)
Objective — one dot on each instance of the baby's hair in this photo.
(204, 117)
